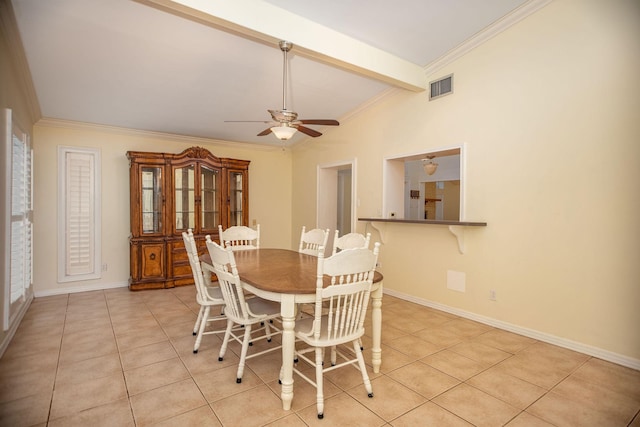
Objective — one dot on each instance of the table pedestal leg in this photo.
(376, 320)
(288, 312)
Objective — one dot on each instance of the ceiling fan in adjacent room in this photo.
(285, 123)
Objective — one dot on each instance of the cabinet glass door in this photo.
(235, 198)
(151, 199)
(184, 179)
(209, 205)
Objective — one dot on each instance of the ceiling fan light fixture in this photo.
(429, 165)
(283, 132)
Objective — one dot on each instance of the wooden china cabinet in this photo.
(171, 193)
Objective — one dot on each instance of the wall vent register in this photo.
(441, 87)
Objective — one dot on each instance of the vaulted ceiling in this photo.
(187, 66)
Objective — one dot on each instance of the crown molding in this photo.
(488, 33)
(194, 140)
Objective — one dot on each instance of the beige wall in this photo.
(548, 111)
(269, 193)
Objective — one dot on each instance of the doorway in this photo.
(336, 196)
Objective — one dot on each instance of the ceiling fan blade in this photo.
(325, 122)
(267, 131)
(308, 131)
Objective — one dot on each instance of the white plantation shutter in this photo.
(17, 215)
(79, 214)
(20, 216)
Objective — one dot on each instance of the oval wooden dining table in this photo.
(289, 277)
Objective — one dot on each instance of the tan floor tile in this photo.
(116, 413)
(454, 364)
(424, 379)
(155, 375)
(304, 393)
(341, 410)
(141, 338)
(200, 417)
(504, 340)
(70, 398)
(26, 411)
(292, 420)
(439, 336)
(392, 359)
(166, 402)
(88, 324)
(512, 390)
(253, 407)
(89, 337)
(480, 352)
(564, 412)
(524, 419)
(414, 347)
(32, 345)
(221, 383)
(34, 381)
(146, 355)
(390, 398)
(619, 408)
(476, 407)
(88, 349)
(615, 378)
(429, 414)
(88, 369)
(542, 364)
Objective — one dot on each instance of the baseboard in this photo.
(540, 336)
(84, 288)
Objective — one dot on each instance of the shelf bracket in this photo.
(458, 231)
(381, 227)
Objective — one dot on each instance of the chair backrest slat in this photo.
(311, 241)
(224, 265)
(240, 237)
(350, 274)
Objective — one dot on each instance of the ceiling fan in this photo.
(285, 123)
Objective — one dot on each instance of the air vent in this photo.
(441, 87)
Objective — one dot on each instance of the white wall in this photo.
(549, 113)
(269, 194)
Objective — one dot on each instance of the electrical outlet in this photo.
(492, 295)
(105, 267)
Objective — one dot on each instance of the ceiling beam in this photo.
(263, 22)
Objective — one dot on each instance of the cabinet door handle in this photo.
(152, 257)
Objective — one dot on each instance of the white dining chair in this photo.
(350, 241)
(313, 240)
(240, 237)
(241, 311)
(345, 298)
(208, 297)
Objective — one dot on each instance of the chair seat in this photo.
(263, 306)
(305, 325)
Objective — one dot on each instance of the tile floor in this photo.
(120, 358)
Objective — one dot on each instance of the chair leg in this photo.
(203, 325)
(243, 353)
(363, 368)
(319, 385)
(196, 327)
(225, 341)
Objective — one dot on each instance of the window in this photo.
(78, 214)
(18, 242)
